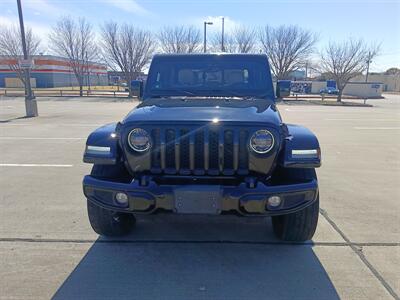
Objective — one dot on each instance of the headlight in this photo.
(262, 141)
(139, 140)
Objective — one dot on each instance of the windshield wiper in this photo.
(184, 92)
(247, 97)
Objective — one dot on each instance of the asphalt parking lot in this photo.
(47, 247)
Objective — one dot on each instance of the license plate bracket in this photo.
(198, 199)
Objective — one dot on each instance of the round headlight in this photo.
(262, 141)
(139, 140)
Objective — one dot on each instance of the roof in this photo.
(209, 54)
(48, 57)
(363, 82)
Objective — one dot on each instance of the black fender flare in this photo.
(301, 148)
(102, 146)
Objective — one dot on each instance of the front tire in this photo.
(108, 222)
(299, 226)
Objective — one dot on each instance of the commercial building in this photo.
(50, 71)
(356, 89)
(364, 89)
(390, 83)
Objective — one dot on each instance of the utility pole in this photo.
(205, 35)
(222, 36)
(87, 71)
(306, 69)
(368, 62)
(30, 102)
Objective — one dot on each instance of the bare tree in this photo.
(76, 41)
(244, 39)
(11, 48)
(287, 47)
(216, 42)
(240, 40)
(343, 61)
(392, 71)
(127, 48)
(179, 39)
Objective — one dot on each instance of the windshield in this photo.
(210, 75)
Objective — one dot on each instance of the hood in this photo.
(205, 110)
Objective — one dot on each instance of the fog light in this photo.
(121, 198)
(274, 201)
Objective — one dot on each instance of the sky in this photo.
(373, 21)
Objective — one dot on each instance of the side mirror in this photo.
(137, 88)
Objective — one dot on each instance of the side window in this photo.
(185, 77)
(213, 76)
(246, 75)
(236, 76)
(158, 79)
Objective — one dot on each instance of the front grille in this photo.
(200, 151)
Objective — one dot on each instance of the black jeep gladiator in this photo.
(207, 138)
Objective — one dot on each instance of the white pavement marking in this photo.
(15, 124)
(36, 165)
(377, 128)
(39, 138)
(81, 125)
(67, 125)
(365, 119)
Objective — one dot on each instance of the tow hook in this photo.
(251, 182)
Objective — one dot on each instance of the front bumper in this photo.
(212, 199)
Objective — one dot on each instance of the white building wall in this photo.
(363, 89)
(391, 83)
(316, 86)
(356, 89)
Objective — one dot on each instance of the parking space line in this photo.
(60, 124)
(169, 241)
(356, 249)
(13, 124)
(36, 165)
(39, 138)
(376, 128)
(365, 119)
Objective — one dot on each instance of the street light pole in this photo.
(30, 102)
(222, 35)
(306, 70)
(205, 35)
(88, 71)
(368, 62)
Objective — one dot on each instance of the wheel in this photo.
(301, 225)
(107, 222)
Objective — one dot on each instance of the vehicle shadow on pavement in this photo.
(205, 258)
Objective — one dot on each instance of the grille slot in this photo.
(243, 154)
(200, 151)
(213, 157)
(170, 151)
(184, 152)
(156, 153)
(228, 152)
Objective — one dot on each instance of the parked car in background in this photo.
(329, 90)
(135, 86)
